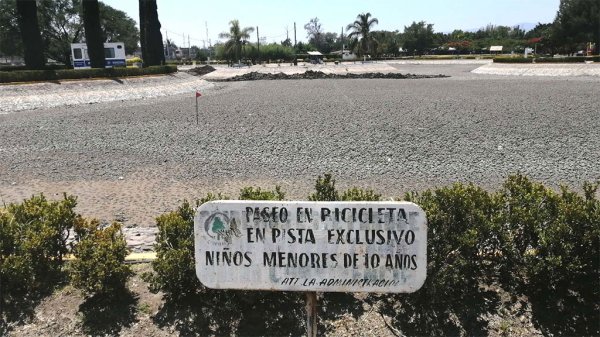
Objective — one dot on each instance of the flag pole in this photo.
(197, 94)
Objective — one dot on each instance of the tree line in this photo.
(577, 24)
(46, 28)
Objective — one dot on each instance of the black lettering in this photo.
(330, 235)
(315, 260)
(344, 214)
(380, 215)
(292, 237)
(402, 215)
(270, 261)
(325, 213)
(248, 259)
(210, 258)
(370, 238)
(409, 238)
(380, 237)
(361, 213)
(265, 214)
(248, 213)
(340, 234)
(414, 262)
(275, 233)
(391, 214)
(256, 214)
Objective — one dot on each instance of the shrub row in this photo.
(576, 59)
(53, 75)
(36, 236)
(47, 67)
(525, 237)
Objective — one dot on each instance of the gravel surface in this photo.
(55, 94)
(132, 160)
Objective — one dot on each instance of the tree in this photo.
(30, 34)
(577, 23)
(361, 29)
(10, 39)
(388, 43)
(60, 24)
(541, 38)
(150, 36)
(314, 32)
(287, 42)
(235, 39)
(117, 26)
(418, 37)
(93, 35)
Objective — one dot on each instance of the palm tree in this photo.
(93, 32)
(30, 34)
(361, 29)
(236, 38)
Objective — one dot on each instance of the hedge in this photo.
(54, 75)
(46, 67)
(525, 238)
(576, 59)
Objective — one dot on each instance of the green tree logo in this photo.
(218, 225)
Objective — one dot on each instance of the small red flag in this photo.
(198, 94)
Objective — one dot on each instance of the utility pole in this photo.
(295, 51)
(258, 44)
(189, 48)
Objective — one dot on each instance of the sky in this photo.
(275, 19)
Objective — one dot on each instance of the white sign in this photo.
(311, 246)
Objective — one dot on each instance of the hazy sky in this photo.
(179, 17)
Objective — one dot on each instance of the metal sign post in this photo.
(311, 314)
(311, 247)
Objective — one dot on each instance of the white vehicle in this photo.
(114, 54)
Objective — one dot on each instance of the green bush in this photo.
(462, 236)
(133, 60)
(98, 267)
(33, 242)
(47, 67)
(174, 270)
(255, 193)
(358, 194)
(551, 252)
(525, 238)
(575, 59)
(512, 60)
(54, 75)
(325, 189)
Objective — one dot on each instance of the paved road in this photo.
(133, 160)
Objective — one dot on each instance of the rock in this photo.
(310, 74)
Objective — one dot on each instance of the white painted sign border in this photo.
(311, 246)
